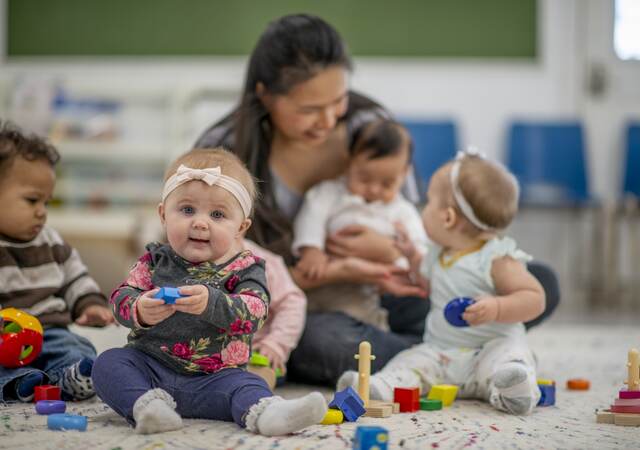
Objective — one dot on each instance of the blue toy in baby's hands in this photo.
(169, 295)
(454, 310)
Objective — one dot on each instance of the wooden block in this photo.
(627, 420)
(409, 398)
(333, 417)
(395, 407)
(445, 392)
(379, 411)
(604, 417)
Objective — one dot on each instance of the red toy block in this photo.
(46, 392)
(409, 399)
(629, 394)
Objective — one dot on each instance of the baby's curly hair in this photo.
(490, 189)
(229, 163)
(15, 143)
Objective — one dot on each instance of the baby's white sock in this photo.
(515, 391)
(154, 412)
(275, 416)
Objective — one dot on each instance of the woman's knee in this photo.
(549, 281)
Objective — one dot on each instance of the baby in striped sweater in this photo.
(42, 275)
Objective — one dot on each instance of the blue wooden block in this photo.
(548, 395)
(350, 403)
(168, 294)
(369, 438)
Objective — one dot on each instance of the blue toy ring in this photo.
(50, 407)
(67, 422)
(454, 310)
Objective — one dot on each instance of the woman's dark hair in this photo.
(381, 138)
(15, 143)
(292, 50)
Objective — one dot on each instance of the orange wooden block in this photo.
(578, 384)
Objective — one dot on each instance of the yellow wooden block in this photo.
(546, 382)
(333, 417)
(444, 392)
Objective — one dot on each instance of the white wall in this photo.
(480, 95)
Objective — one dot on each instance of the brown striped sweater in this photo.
(45, 277)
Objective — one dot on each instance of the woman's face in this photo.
(308, 113)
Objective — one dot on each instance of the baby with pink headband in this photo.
(189, 359)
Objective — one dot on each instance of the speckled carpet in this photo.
(596, 352)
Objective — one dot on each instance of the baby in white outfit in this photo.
(368, 194)
(469, 201)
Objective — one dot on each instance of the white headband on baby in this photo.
(211, 176)
(464, 206)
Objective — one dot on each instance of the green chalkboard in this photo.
(396, 28)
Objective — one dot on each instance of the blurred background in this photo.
(552, 88)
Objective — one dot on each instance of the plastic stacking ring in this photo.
(578, 384)
(430, 404)
(67, 422)
(454, 310)
(50, 406)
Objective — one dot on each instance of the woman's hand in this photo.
(196, 300)
(387, 277)
(152, 311)
(274, 358)
(362, 242)
(400, 284)
(350, 269)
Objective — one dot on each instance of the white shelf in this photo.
(117, 150)
(105, 224)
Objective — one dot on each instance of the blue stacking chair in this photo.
(549, 161)
(631, 184)
(434, 143)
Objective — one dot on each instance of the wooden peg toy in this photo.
(633, 380)
(364, 358)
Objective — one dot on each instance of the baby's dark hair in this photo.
(15, 143)
(381, 138)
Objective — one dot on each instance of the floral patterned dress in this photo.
(218, 338)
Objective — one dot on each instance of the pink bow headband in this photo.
(211, 176)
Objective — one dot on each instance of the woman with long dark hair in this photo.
(293, 127)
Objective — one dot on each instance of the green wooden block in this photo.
(430, 404)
